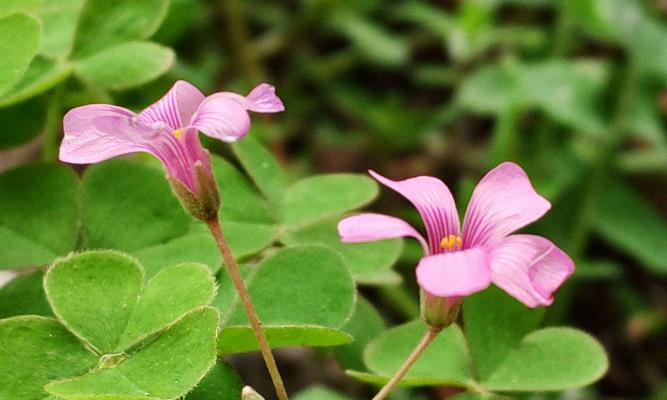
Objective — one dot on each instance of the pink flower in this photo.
(528, 267)
(168, 129)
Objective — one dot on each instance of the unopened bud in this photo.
(249, 393)
(204, 202)
(439, 312)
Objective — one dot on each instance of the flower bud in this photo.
(438, 312)
(203, 204)
(249, 393)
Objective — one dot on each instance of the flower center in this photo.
(451, 242)
(178, 133)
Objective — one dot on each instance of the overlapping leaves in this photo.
(500, 351)
(112, 329)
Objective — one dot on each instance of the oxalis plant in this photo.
(152, 316)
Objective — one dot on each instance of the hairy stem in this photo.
(430, 334)
(232, 267)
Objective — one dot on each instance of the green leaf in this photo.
(366, 261)
(240, 339)
(21, 123)
(240, 200)
(59, 18)
(263, 168)
(364, 324)
(38, 214)
(490, 89)
(444, 362)
(24, 295)
(126, 65)
(101, 298)
(247, 239)
(221, 383)
(495, 323)
(320, 290)
(41, 76)
(19, 42)
(193, 247)
(103, 24)
(550, 359)
(93, 295)
(8, 7)
(169, 294)
(129, 207)
(166, 368)
(35, 350)
(319, 393)
(319, 197)
(632, 224)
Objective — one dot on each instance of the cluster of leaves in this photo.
(572, 88)
(105, 311)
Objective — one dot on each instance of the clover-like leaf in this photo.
(24, 295)
(126, 65)
(494, 324)
(103, 24)
(34, 351)
(364, 325)
(550, 359)
(59, 18)
(221, 383)
(42, 75)
(19, 43)
(368, 262)
(166, 368)
(101, 298)
(263, 168)
(38, 214)
(444, 362)
(320, 295)
(324, 196)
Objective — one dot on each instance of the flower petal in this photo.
(371, 227)
(434, 202)
(84, 142)
(222, 118)
(261, 99)
(457, 273)
(503, 201)
(530, 268)
(175, 109)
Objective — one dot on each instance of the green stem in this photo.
(428, 338)
(52, 126)
(505, 143)
(244, 296)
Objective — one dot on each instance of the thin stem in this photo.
(232, 267)
(52, 126)
(430, 334)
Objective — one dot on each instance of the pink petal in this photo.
(458, 273)
(175, 109)
(503, 201)
(222, 118)
(84, 142)
(434, 202)
(530, 268)
(261, 99)
(371, 227)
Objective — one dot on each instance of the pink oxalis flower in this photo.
(169, 130)
(461, 262)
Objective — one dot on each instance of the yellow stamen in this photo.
(178, 133)
(451, 242)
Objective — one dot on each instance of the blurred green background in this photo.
(573, 90)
